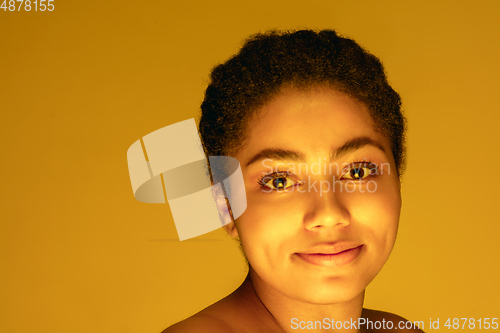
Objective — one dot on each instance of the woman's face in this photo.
(321, 228)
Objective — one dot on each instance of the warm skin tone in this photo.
(311, 252)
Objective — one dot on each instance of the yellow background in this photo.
(80, 84)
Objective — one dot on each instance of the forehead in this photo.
(314, 120)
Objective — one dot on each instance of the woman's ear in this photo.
(224, 209)
(231, 229)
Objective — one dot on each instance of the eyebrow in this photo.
(348, 147)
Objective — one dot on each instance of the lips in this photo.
(331, 255)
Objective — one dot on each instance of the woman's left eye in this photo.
(360, 170)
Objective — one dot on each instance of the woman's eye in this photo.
(359, 171)
(277, 182)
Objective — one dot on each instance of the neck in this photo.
(290, 314)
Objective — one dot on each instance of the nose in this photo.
(325, 211)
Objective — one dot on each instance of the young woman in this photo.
(319, 136)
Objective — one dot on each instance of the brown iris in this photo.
(357, 173)
(279, 182)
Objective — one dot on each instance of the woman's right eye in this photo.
(277, 181)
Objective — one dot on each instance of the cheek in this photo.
(265, 226)
(378, 214)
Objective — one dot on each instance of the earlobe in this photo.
(231, 229)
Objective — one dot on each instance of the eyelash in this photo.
(285, 174)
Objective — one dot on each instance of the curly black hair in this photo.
(269, 61)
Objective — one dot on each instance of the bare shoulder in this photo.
(217, 318)
(392, 322)
(200, 323)
(240, 312)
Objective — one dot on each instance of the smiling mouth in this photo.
(331, 259)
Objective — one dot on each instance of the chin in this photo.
(331, 294)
